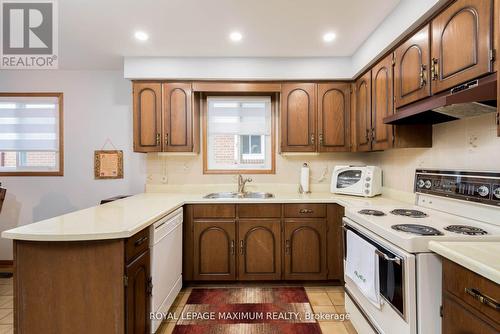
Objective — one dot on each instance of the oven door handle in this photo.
(387, 258)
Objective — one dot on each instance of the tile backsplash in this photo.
(464, 144)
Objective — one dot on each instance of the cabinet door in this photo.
(411, 69)
(214, 250)
(335, 248)
(138, 295)
(363, 112)
(147, 116)
(177, 118)
(305, 249)
(461, 43)
(382, 104)
(259, 249)
(298, 117)
(459, 320)
(333, 117)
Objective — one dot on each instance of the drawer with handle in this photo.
(305, 210)
(473, 289)
(136, 244)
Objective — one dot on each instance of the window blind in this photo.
(29, 124)
(239, 116)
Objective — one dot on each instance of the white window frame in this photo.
(21, 170)
(272, 137)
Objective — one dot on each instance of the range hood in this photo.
(470, 99)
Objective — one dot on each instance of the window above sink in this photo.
(239, 135)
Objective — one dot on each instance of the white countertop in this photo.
(480, 257)
(125, 217)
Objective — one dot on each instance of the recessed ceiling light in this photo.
(236, 36)
(141, 36)
(329, 36)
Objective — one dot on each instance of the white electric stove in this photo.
(450, 206)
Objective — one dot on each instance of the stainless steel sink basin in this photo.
(258, 195)
(238, 195)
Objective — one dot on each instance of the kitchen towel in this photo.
(362, 267)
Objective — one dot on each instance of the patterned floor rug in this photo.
(283, 310)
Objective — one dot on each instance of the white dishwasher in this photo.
(166, 263)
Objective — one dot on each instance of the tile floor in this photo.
(323, 299)
(6, 306)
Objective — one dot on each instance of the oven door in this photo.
(349, 180)
(397, 286)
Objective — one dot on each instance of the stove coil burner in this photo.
(465, 229)
(416, 229)
(409, 213)
(371, 212)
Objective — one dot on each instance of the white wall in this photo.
(97, 105)
(242, 68)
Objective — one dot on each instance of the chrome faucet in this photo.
(241, 183)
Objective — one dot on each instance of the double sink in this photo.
(257, 195)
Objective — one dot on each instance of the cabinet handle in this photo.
(158, 139)
(306, 211)
(166, 139)
(435, 68)
(373, 134)
(321, 139)
(287, 246)
(483, 299)
(149, 288)
(140, 241)
(312, 138)
(367, 135)
(423, 82)
(241, 247)
(232, 247)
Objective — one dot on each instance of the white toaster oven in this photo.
(357, 180)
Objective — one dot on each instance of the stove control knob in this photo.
(420, 183)
(483, 191)
(496, 192)
(368, 179)
(428, 184)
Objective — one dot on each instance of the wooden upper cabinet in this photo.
(305, 249)
(177, 118)
(461, 43)
(334, 117)
(363, 112)
(214, 250)
(259, 249)
(382, 104)
(147, 116)
(298, 117)
(411, 69)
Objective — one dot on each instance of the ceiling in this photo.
(97, 34)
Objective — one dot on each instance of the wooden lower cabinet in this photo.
(334, 242)
(214, 250)
(101, 286)
(469, 302)
(137, 295)
(459, 320)
(305, 249)
(263, 242)
(259, 249)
